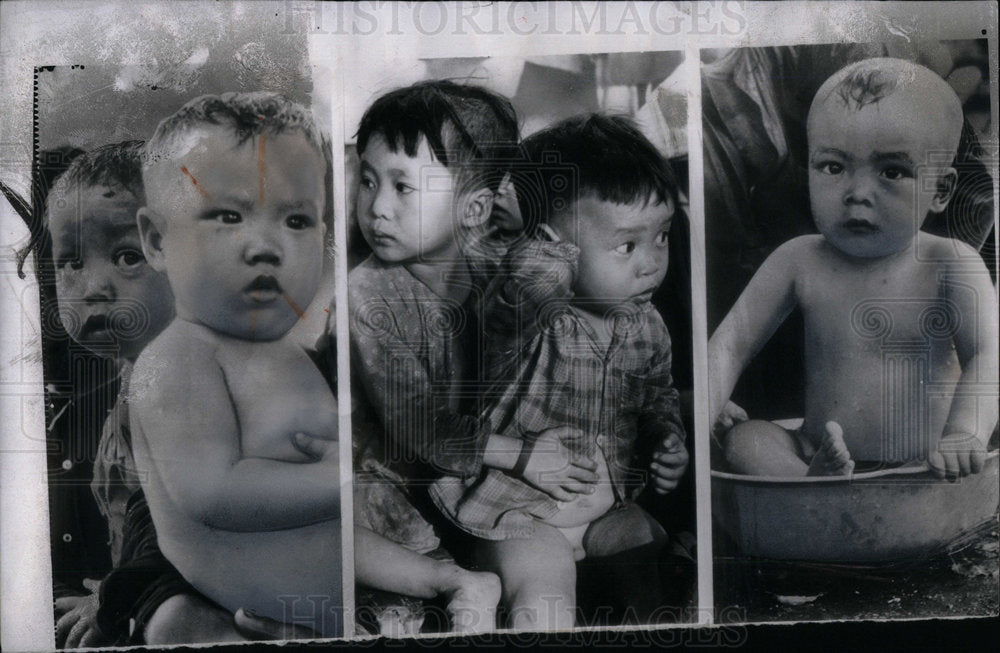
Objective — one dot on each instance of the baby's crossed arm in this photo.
(189, 425)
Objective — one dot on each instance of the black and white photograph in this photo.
(183, 239)
(521, 343)
(531, 324)
(851, 299)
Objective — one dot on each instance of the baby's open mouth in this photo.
(861, 227)
(264, 288)
(97, 327)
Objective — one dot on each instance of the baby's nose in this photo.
(98, 287)
(262, 247)
(860, 190)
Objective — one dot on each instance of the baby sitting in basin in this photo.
(900, 325)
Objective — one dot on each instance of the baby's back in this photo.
(880, 358)
(274, 390)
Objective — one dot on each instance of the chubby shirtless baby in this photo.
(234, 427)
(900, 325)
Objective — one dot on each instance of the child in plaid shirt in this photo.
(573, 340)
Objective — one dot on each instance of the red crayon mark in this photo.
(326, 310)
(298, 311)
(195, 182)
(261, 165)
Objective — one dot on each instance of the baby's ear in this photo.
(946, 183)
(477, 208)
(151, 228)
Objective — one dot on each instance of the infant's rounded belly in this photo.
(586, 508)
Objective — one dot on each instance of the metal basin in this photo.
(883, 516)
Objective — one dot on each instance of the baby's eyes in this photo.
(367, 182)
(225, 217)
(661, 238)
(298, 222)
(404, 189)
(626, 248)
(128, 258)
(895, 173)
(830, 167)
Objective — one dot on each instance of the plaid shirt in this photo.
(548, 370)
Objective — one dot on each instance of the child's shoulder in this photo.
(945, 250)
(177, 351)
(801, 249)
(373, 278)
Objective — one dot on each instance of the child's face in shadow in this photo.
(406, 206)
(872, 173)
(623, 250)
(238, 229)
(110, 299)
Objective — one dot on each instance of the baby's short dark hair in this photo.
(591, 154)
(246, 115)
(117, 166)
(470, 130)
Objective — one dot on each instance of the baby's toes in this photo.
(473, 605)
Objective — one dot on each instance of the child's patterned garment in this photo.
(547, 370)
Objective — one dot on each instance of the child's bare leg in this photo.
(538, 576)
(761, 448)
(472, 596)
(189, 619)
(832, 457)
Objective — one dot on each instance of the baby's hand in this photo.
(540, 270)
(317, 447)
(77, 623)
(670, 460)
(730, 416)
(555, 470)
(958, 454)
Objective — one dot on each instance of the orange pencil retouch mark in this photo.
(261, 165)
(298, 311)
(194, 181)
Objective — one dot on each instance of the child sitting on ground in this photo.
(573, 341)
(235, 428)
(431, 161)
(900, 325)
(112, 302)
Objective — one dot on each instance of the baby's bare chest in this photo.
(858, 312)
(277, 391)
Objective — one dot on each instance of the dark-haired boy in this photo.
(432, 157)
(112, 302)
(573, 341)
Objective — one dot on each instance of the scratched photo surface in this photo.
(103, 302)
(851, 303)
(474, 359)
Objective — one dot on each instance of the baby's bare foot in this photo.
(832, 457)
(472, 601)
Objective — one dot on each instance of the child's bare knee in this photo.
(186, 619)
(748, 442)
